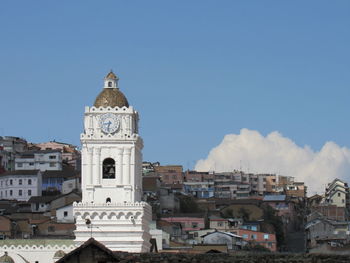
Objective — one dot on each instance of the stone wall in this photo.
(241, 258)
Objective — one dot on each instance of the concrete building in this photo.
(111, 209)
(170, 174)
(13, 146)
(266, 240)
(188, 222)
(200, 189)
(20, 185)
(195, 176)
(233, 241)
(4, 160)
(64, 214)
(45, 160)
(337, 193)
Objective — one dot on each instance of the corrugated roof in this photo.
(274, 198)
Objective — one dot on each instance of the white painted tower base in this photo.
(120, 227)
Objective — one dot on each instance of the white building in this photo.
(20, 185)
(64, 214)
(46, 160)
(71, 184)
(111, 209)
(337, 193)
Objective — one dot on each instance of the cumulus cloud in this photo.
(277, 154)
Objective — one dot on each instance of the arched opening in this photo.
(110, 84)
(108, 168)
(108, 200)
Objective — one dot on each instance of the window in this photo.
(109, 84)
(245, 236)
(10, 192)
(11, 182)
(253, 236)
(52, 157)
(51, 229)
(266, 236)
(194, 224)
(338, 194)
(20, 164)
(108, 169)
(20, 192)
(20, 181)
(29, 192)
(31, 164)
(343, 201)
(219, 223)
(52, 165)
(108, 200)
(65, 213)
(29, 181)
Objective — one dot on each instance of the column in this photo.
(97, 173)
(119, 166)
(126, 166)
(89, 166)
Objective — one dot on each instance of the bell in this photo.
(111, 171)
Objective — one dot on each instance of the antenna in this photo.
(89, 225)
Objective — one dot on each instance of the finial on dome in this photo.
(111, 75)
(111, 80)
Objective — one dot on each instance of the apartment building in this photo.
(170, 174)
(337, 193)
(20, 185)
(44, 160)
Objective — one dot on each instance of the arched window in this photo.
(110, 84)
(108, 200)
(108, 168)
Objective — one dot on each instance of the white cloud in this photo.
(277, 154)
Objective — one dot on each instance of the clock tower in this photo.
(111, 210)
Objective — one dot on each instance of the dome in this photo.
(111, 98)
(59, 254)
(6, 259)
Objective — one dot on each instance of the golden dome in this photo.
(111, 98)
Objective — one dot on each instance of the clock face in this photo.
(109, 123)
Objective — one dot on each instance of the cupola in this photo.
(111, 96)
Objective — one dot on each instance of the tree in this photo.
(272, 218)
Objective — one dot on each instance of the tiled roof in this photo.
(21, 172)
(66, 172)
(90, 242)
(41, 199)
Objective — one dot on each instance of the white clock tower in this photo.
(111, 210)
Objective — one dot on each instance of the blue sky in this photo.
(195, 70)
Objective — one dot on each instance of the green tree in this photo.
(271, 217)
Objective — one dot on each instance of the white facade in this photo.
(20, 185)
(65, 214)
(112, 179)
(70, 185)
(39, 160)
(337, 193)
